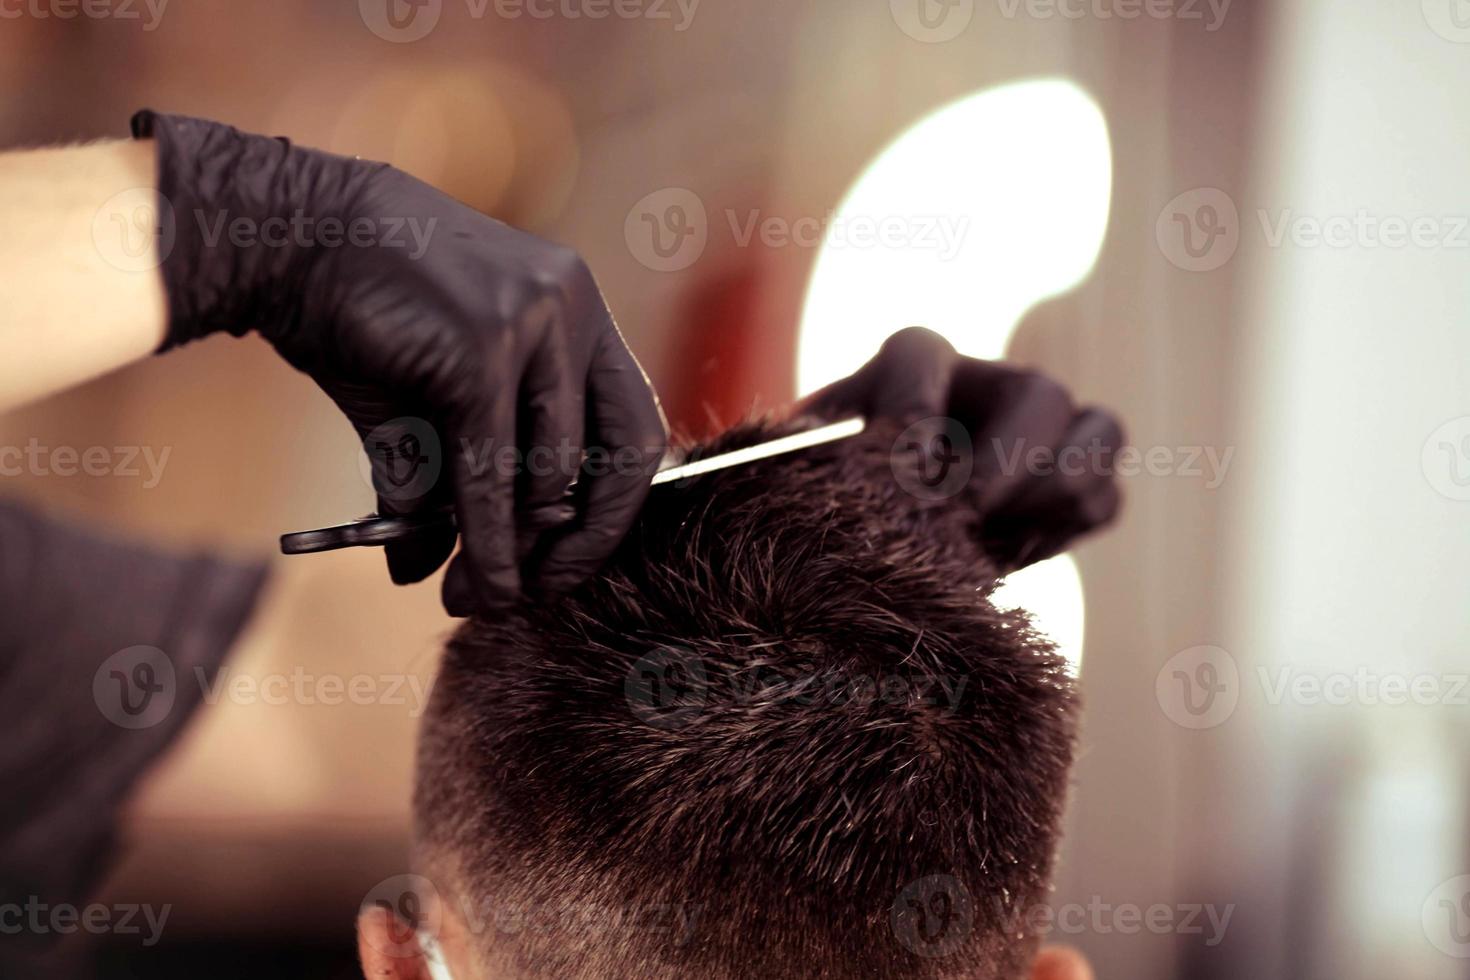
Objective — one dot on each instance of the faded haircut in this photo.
(784, 733)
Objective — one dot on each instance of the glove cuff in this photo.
(243, 209)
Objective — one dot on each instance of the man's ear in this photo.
(388, 947)
(1060, 963)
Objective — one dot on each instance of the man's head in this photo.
(783, 734)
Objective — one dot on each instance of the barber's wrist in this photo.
(244, 209)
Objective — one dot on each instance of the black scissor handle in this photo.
(372, 531)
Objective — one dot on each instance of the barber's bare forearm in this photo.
(81, 293)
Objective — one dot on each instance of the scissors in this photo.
(376, 530)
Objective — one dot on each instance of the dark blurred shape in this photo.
(100, 644)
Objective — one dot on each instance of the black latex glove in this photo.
(403, 303)
(1025, 514)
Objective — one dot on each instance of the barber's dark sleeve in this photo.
(105, 650)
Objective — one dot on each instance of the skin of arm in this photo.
(81, 293)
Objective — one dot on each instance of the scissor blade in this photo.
(776, 447)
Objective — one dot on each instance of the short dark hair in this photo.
(784, 733)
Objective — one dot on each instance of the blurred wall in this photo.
(1347, 541)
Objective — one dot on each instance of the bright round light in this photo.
(986, 207)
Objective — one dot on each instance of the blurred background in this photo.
(1240, 225)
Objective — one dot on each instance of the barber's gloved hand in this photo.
(403, 303)
(1031, 505)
